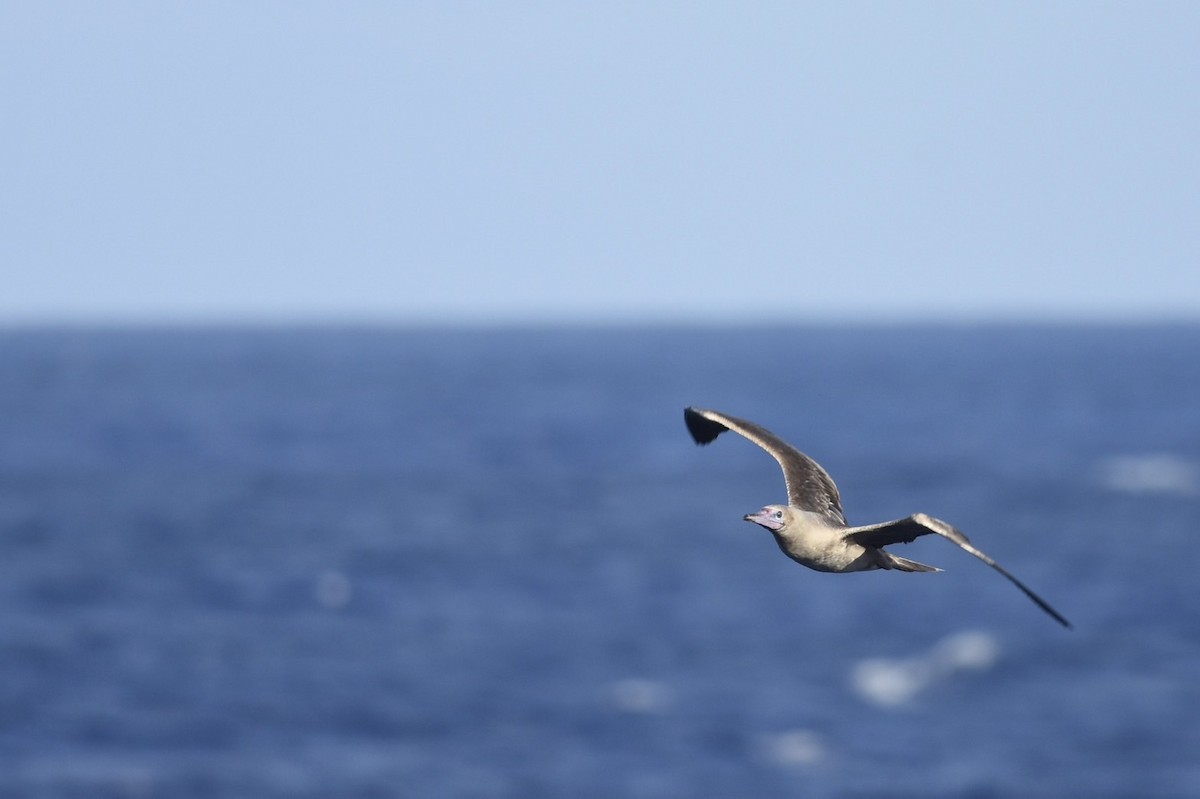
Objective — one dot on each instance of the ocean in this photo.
(453, 562)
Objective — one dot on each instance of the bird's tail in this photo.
(889, 561)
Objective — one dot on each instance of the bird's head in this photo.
(772, 517)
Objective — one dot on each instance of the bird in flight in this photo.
(811, 529)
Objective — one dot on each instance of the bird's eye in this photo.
(778, 514)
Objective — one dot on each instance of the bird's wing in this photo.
(902, 531)
(809, 486)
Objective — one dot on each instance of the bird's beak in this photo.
(764, 519)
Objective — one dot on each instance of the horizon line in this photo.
(582, 322)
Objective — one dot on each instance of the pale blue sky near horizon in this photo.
(648, 162)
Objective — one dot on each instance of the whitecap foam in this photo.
(889, 682)
(639, 695)
(799, 747)
(970, 650)
(894, 682)
(1153, 473)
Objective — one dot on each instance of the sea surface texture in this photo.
(492, 563)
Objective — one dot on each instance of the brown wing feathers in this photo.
(809, 486)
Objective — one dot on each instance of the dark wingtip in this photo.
(1044, 605)
(703, 430)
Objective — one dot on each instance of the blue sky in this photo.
(459, 162)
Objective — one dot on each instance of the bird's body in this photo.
(812, 530)
(812, 541)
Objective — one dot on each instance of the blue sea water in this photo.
(491, 563)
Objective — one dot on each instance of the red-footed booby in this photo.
(811, 529)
